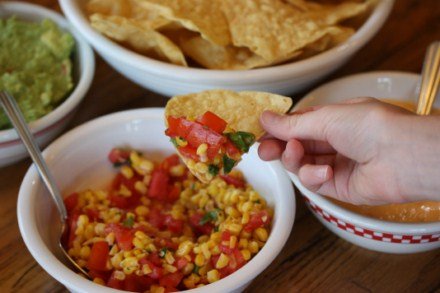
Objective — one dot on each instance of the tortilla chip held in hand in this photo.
(213, 129)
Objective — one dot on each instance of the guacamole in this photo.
(35, 66)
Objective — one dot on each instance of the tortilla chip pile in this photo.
(227, 34)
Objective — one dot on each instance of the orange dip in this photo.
(427, 211)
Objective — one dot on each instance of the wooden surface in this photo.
(313, 258)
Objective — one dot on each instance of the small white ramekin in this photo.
(364, 231)
(49, 126)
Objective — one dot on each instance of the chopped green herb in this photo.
(174, 142)
(257, 201)
(211, 216)
(196, 269)
(242, 140)
(216, 228)
(228, 164)
(128, 222)
(193, 186)
(163, 252)
(213, 170)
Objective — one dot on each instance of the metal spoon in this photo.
(17, 119)
(430, 79)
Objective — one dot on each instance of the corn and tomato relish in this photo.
(158, 229)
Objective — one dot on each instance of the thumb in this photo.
(308, 125)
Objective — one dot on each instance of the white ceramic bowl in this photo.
(171, 80)
(78, 159)
(361, 230)
(49, 126)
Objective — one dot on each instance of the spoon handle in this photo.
(430, 79)
(17, 119)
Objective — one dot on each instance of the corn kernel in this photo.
(184, 248)
(100, 229)
(110, 238)
(124, 191)
(177, 171)
(199, 260)
(99, 281)
(222, 261)
(213, 275)
(188, 269)
(134, 158)
(138, 243)
(201, 168)
(146, 269)
(246, 254)
(247, 206)
(191, 281)
(232, 241)
(243, 243)
(261, 234)
(157, 289)
(169, 258)
(245, 218)
(146, 166)
(181, 142)
(83, 220)
(140, 187)
(253, 246)
(127, 172)
(85, 252)
(201, 150)
(205, 251)
(215, 250)
(141, 210)
(119, 275)
(170, 268)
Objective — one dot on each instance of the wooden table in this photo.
(313, 258)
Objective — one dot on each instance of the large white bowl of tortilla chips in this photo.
(178, 47)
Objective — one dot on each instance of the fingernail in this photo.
(321, 172)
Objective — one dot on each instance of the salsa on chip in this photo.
(213, 129)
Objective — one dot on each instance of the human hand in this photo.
(362, 151)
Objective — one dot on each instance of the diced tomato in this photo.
(159, 184)
(237, 182)
(189, 152)
(115, 283)
(213, 121)
(169, 162)
(199, 134)
(213, 151)
(118, 156)
(194, 221)
(71, 202)
(181, 263)
(257, 220)
(143, 282)
(178, 127)
(214, 259)
(98, 256)
(226, 235)
(123, 202)
(231, 149)
(69, 234)
(100, 274)
(174, 225)
(155, 259)
(171, 280)
(174, 193)
(123, 235)
(239, 259)
(156, 219)
(92, 214)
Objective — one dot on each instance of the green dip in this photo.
(35, 66)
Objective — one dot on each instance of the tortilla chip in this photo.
(241, 110)
(140, 36)
(128, 9)
(271, 29)
(201, 16)
(213, 56)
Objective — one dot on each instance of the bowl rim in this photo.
(345, 214)
(86, 60)
(278, 72)
(284, 203)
